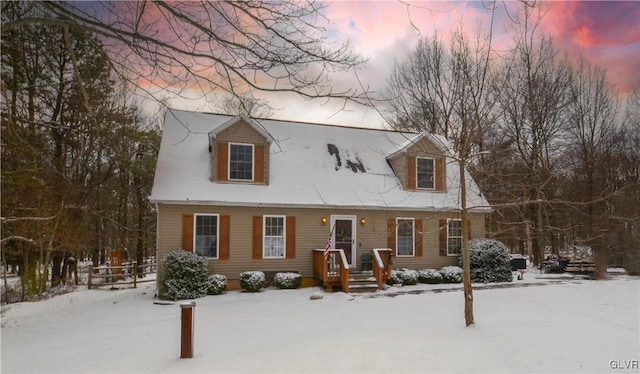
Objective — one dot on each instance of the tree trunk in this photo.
(56, 263)
(466, 279)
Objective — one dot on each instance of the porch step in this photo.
(362, 282)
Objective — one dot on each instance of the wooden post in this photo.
(186, 330)
(89, 282)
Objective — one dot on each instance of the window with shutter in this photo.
(405, 239)
(207, 235)
(241, 162)
(425, 173)
(274, 236)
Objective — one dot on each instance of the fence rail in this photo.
(125, 274)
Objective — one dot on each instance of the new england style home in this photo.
(257, 194)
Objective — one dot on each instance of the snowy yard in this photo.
(563, 325)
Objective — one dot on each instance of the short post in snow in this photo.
(186, 330)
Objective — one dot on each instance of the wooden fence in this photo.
(124, 274)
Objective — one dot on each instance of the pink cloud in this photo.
(605, 33)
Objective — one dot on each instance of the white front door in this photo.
(344, 236)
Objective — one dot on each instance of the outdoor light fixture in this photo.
(324, 220)
(363, 221)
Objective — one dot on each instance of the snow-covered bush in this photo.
(409, 277)
(396, 277)
(252, 281)
(287, 280)
(186, 276)
(489, 261)
(217, 284)
(406, 277)
(451, 274)
(430, 276)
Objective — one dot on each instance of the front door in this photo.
(344, 236)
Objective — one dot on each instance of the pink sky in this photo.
(606, 33)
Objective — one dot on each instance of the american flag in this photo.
(327, 247)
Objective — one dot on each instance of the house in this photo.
(258, 194)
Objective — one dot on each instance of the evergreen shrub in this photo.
(287, 280)
(186, 276)
(252, 281)
(396, 277)
(217, 284)
(430, 276)
(489, 261)
(451, 274)
(409, 277)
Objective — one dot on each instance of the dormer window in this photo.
(241, 161)
(425, 173)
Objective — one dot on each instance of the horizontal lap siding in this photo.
(310, 234)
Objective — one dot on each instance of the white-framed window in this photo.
(274, 234)
(241, 160)
(454, 237)
(205, 235)
(405, 237)
(425, 173)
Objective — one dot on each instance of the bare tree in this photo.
(229, 47)
(445, 90)
(594, 133)
(249, 106)
(534, 95)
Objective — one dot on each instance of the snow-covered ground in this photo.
(557, 324)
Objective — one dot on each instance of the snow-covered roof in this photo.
(310, 165)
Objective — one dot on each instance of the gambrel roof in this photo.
(310, 165)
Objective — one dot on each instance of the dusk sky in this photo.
(606, 33)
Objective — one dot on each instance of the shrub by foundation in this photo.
(186, 276)
(217, 284)
(430, 276)
(451, 274)
(489, 261)
(409, 277)
(252, 281)
(287, 280)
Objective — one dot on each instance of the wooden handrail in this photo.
(331, 276)
(382, 265)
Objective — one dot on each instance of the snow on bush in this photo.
(186, 276)
(409, 277)
(287, 280)
(489, 261)
(217, 284)
(406, 277)
(430, 276)
(451, 274)
(252, 281)
(396, 277)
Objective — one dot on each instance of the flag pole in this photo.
(329, 240)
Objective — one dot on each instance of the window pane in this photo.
(454, 246)
(273, 236)
(454, 237)
(426, 173)
(273, 247)
(405, 240)
(455, 228)
(241, 162)
(207, 236)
